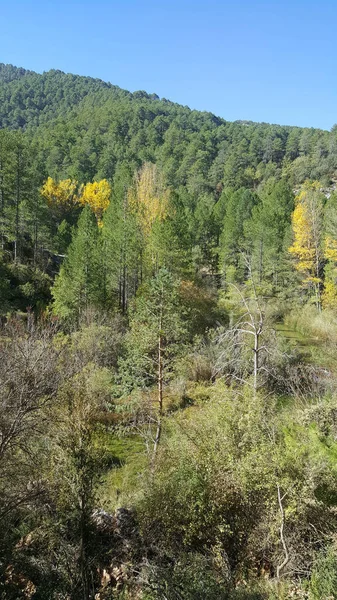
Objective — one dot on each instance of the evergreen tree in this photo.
(267, 231)
(238, 210)
(121, 243)
(80, 283)
(6, 181)
(156, 335)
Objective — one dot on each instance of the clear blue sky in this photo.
(272, 61)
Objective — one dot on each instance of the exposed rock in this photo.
(104, 521)
(123, 540)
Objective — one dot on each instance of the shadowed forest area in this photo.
(168, 373)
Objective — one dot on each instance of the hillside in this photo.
(168, 373)
(83, 127)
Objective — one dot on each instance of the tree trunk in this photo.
(256, 360)
(160, 396)
(280, 567)
(160, 386)
(2, 207)
(261, 261)
(17, 203)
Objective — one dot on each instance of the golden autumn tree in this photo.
(97, 196)
(148, 199)
(329, 295)
(307, 223)
(60, 193)
(62, 198)
(67, 194)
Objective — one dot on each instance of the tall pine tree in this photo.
(80, 283)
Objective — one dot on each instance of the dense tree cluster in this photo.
(168, 304)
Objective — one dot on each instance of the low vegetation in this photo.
(168, 287)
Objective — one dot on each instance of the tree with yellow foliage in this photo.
(148, 199)
(329, 296)
(61, 193)
(96, 195)
(66, 193)
(62, 199)
(307, 223)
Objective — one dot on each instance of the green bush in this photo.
(323, 583)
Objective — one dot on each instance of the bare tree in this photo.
(284, 563)
(240, 357)
(28, 380)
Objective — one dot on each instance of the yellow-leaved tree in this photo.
(329, 295)
(60, 193)
(148, 199)
(96, 195)
(66, 194)
(307, 247)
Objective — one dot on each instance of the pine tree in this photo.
(156, 335)
(79, 284)
(238, 210)
(122, 244)
(7, 140)
(267, 231)
(16, 186)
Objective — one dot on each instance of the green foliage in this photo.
(156, 314)
(239, 206)
(121, 244)
(79, 284)
(193, 577)
(84, 129)
(196, 203)
(267, 232)
(323, 582)
(216, 486)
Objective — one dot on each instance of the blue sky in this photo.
(270, 61)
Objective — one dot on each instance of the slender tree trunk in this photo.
(123, 262)
(318, 284)
(120, 288)
(316, 217)
(261, 261)
(160, 387)
(280, 567)
(276, 269)
(17, 204)
(35, 240)
(141, 267)
(124, 298)
(256, 361)
(160, 398)
(318, 297)
(2, 206)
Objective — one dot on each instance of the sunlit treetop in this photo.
(63, 192)
(148, 198)
(66, 192)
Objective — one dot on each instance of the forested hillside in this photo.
(168, 304)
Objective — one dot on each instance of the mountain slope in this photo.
(83, 127)
(10, 73)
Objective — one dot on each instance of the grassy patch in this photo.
(126, 459)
